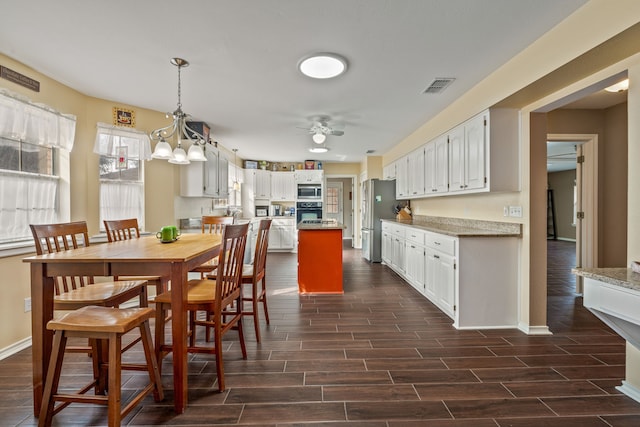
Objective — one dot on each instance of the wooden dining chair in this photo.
(74, 292)
(221, 299)
(254, 275)
(126, 229)
(212, 225)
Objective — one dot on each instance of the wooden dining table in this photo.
(146, 256)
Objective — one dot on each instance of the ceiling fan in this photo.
(320, 129)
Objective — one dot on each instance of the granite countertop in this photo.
(623, 277)
(459, 227)
(324, 225)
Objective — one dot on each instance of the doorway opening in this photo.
(340, 204)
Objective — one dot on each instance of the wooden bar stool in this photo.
(103, 325)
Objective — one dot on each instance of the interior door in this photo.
(334, 202)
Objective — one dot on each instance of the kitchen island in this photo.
(320, 257)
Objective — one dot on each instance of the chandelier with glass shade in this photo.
(180, 131)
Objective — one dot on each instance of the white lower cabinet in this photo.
(416, 262)
(282, 235)
(474, 280)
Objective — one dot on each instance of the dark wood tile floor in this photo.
(380, 355)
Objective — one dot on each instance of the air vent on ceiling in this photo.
(370, 151)
(439, 84)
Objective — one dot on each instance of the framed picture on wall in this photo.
(124, 117)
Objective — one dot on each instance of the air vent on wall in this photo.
(439, 84)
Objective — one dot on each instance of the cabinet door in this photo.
(283, 186)
(416, 173)
(475, 140)
(387, 243)
(445, 279)
(456, 159)
(263, 184)
(389, 171)
(223, 176)
(211, 187)
(430, 168)
(415, 266)
(398, 257)
(430, 275)
(402, 179)
(441, 173)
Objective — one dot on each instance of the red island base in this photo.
(320, 261)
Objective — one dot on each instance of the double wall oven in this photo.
(308, 210)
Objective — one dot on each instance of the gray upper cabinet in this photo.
(206, 179)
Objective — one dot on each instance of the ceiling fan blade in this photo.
(336, 132)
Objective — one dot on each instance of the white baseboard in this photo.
(566, 239)
(534, 330)
(630, 390)
(15, 348)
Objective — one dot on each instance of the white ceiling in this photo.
(243, 77)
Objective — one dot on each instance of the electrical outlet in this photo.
(27, 305)
(515, 211)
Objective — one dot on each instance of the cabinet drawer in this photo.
(415, 236)
(441, 243)
(398, 231)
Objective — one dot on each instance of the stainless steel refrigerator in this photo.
(378, 202)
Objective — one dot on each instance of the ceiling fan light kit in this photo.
(319, 137)
(323, 65)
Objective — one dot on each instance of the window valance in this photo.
(23, 120)
(109, 138)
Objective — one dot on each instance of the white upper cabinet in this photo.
(262, 187)
(283, 186)
(479, 155)
(389, 171)
(416, 173)
(402, 178)
(206, 179)
(309, 176)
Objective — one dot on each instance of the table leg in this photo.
(41, 338)
(179, 335)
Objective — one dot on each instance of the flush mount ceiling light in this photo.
(619, 87)
(323, 65)
(318, 149)
(178, 129)
(319, 137)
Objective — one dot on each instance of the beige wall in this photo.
(562, 184)
(611, 127)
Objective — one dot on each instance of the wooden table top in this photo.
(147, 248)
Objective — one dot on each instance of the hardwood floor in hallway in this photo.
(379, 355)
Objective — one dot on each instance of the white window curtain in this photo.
(124, 197)
(26, 199)
(109, 138)
(29, 198)
(122, 200)
(26, 121)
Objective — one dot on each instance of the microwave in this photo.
(310, 191)
(262, 210)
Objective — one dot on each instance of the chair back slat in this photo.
(262, 245)
(215, 224)
(229, 276)
(51, 238)
(122, 229)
